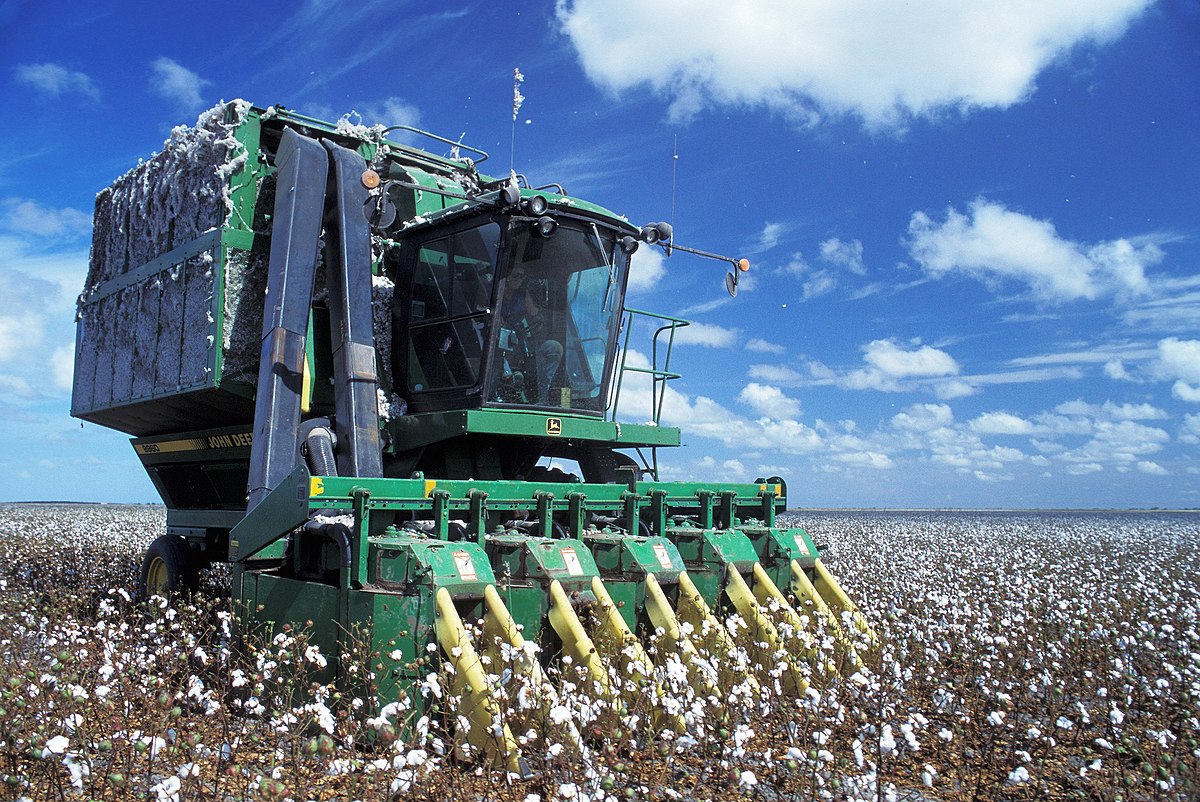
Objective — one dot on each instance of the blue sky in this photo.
(974, 227)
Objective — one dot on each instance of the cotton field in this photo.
(1022, 656)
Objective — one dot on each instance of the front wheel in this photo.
(169, 567)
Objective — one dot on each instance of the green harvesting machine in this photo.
(345, 363)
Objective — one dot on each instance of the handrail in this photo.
(659, 375)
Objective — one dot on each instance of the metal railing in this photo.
(659, 375)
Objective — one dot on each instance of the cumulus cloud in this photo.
(1110, 411)
(647, 266)
(55, 81)
(889, 363)
(62, 368)
(923, 418)
(767, 239)
(23, 217)
(174, 82)
(706, 334)
(814, 281)
(391, 111)
(884, 63)
(848, 255)
(1180, 360)
(769, 401)
(778, 374)
(1001, 423)
(761, 346)
(998, 246)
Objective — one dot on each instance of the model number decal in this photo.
(234, 440)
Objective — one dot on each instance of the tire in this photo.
(169, 567)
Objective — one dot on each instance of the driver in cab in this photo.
(520, 312)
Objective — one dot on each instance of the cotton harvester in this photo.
(345, 362)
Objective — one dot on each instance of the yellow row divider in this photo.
(765, 637)
(692, 609)
(766, 590)
(500, 627)
(488, 732)
(702, 678)
(804, 590)
(614, 630)
(575, 640)
(836, 598)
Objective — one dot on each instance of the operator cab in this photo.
(500, 309)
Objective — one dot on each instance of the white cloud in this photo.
(1115, 369)
(953, 388)
(882, 62)
(865, 459)
(706, 334)
(176, 83)
(761, 346)
(895, 361)
(997, 245)
(1179, 359)
(1152, 468)
(1191, 428)
(814, 281)
(1001, 423)
(1110, 411)
(768, 238)
(62, 367)
(23, 216)
(844, 254)
(55, 80)
(779, 374)
(391, 111)
(923, 418)
(769, 401)
(1185, 392)
(647, 266)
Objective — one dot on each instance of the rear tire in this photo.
(169, 567)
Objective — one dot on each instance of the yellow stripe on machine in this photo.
(802, 642)
(630, 655)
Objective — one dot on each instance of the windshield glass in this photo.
(558, 309)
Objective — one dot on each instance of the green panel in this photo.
(273, 601)
(707, 554)
(397, 562)
(630, 598)
(413, 431)
(283, 509)
(540, 560)
(776, 548)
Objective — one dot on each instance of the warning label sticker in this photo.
(801, 545)
(571, 561)
(464, 565)
(660, 552)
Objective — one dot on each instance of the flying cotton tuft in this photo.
(518, 98)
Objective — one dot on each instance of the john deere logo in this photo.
(554, 426)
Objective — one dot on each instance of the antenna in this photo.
(674, 172)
